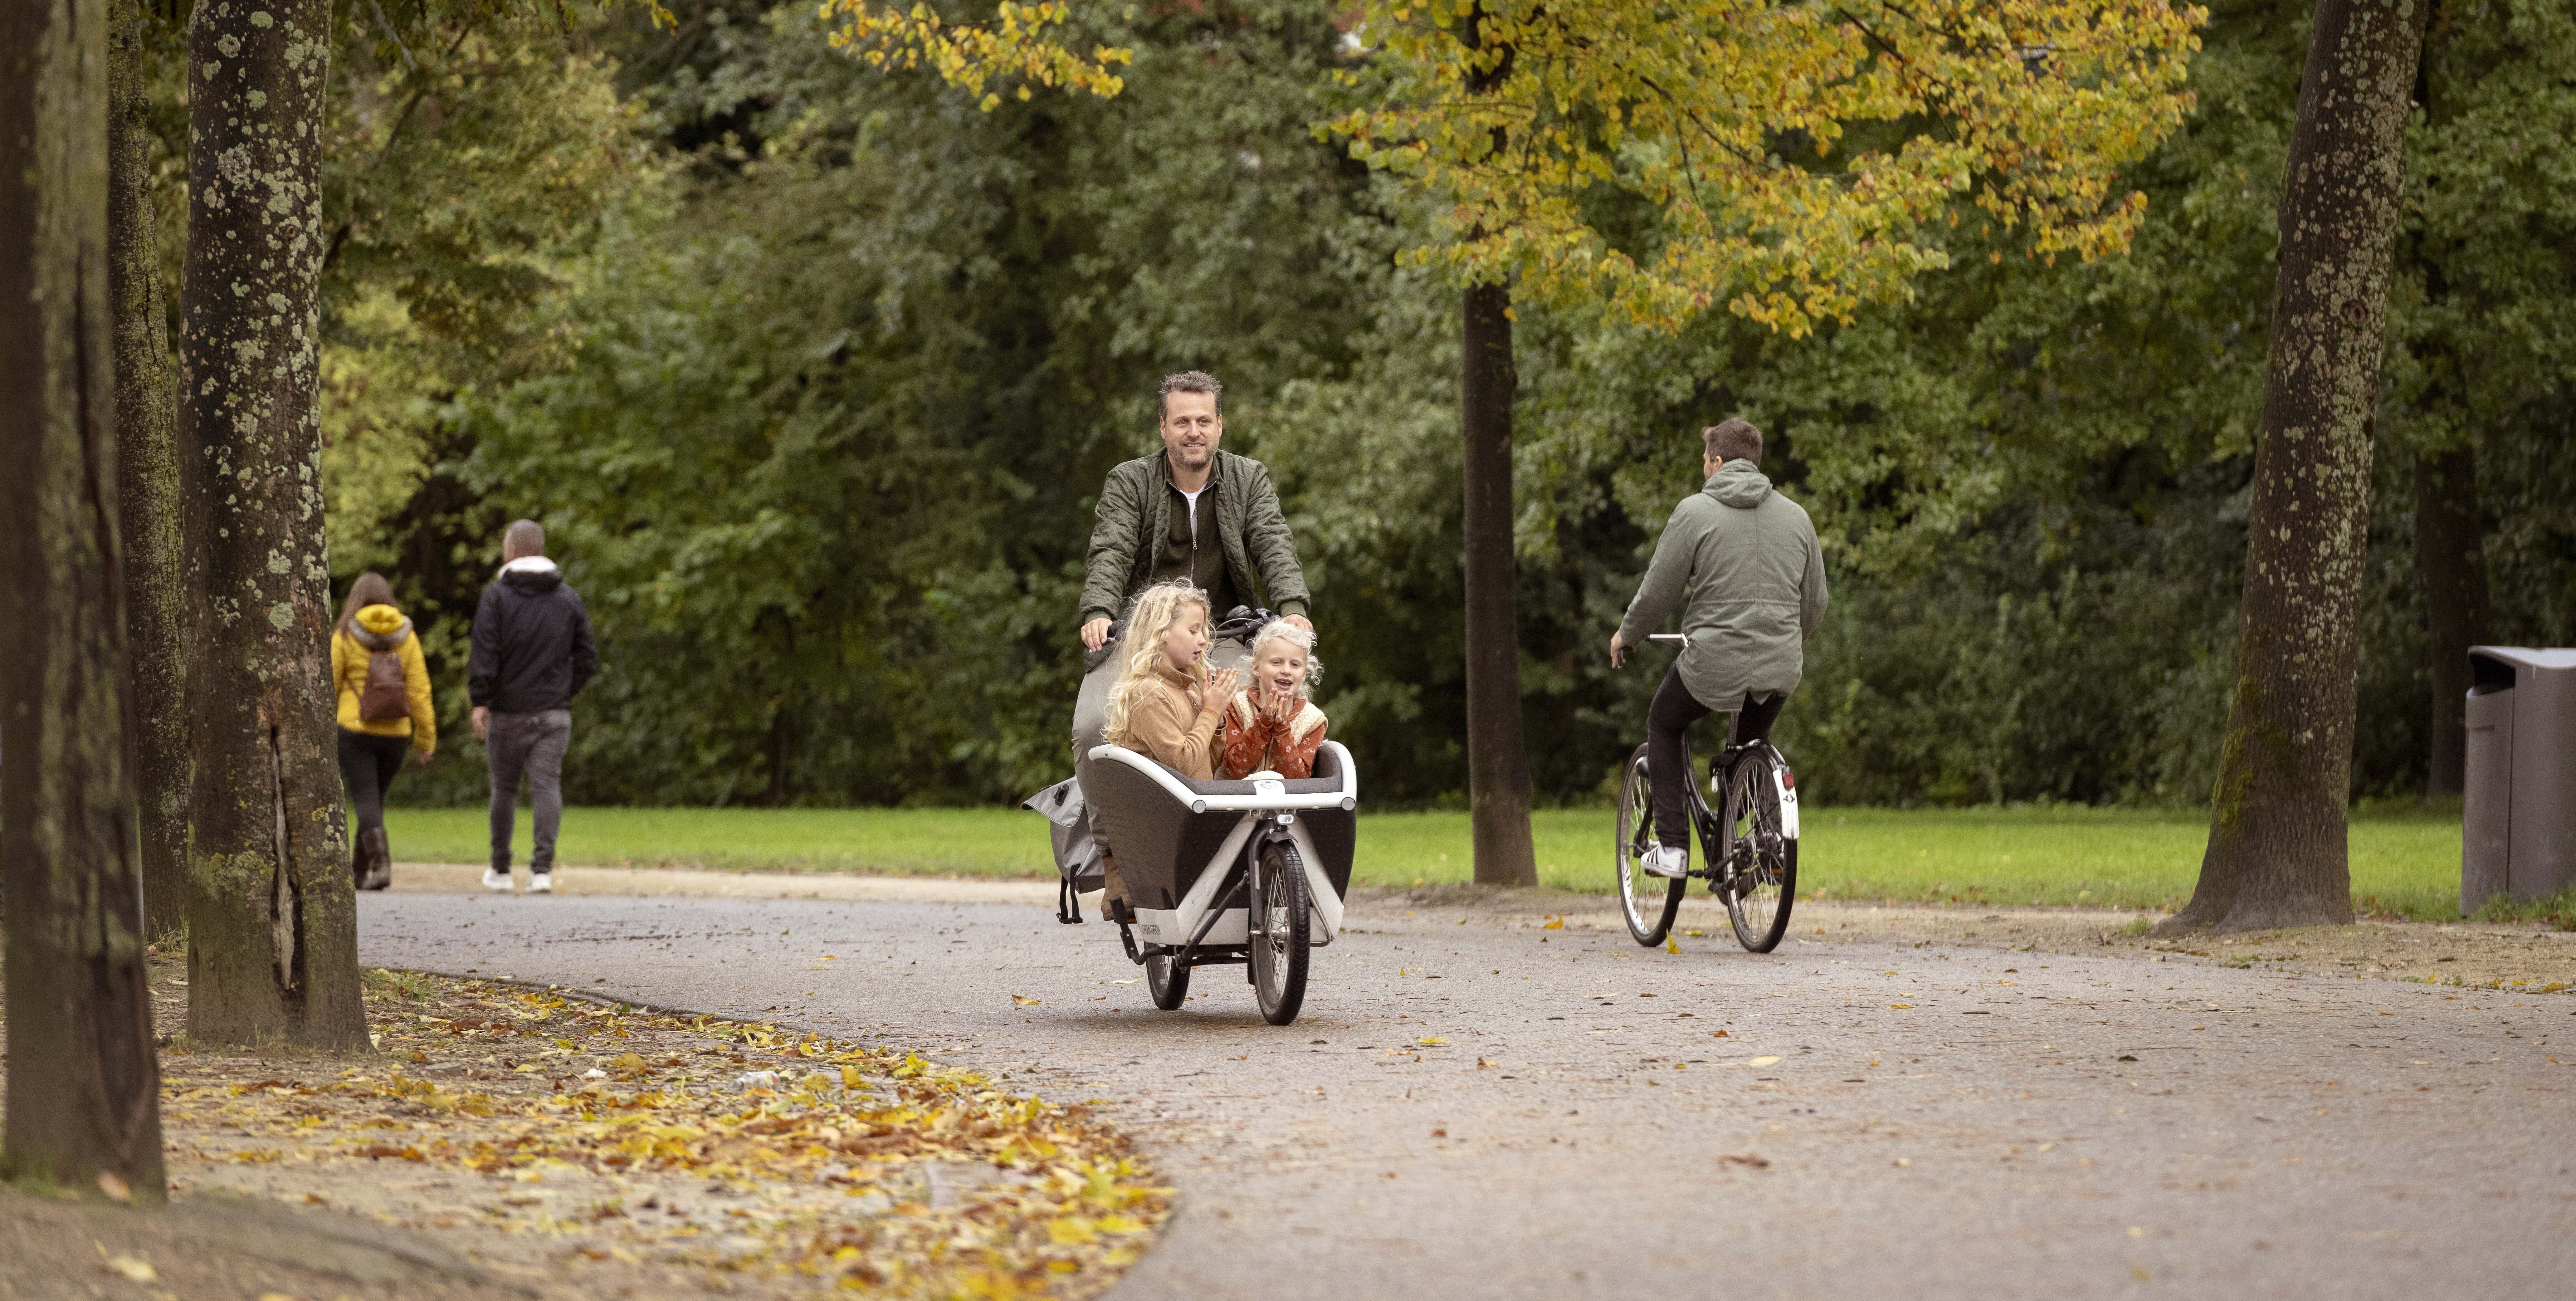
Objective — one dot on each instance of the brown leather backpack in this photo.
(384, 698)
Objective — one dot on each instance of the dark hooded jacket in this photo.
(532, 647)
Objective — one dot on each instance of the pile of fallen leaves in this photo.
(543, 1133)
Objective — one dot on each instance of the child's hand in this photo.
(1281, 707)
(1220, 692)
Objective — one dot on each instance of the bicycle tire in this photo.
(1649, 920)
(1168, 981)
(1280, 951)
(1761, 883)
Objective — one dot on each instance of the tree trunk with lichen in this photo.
(84, 1086)
(272, 912)
(2276, 853)
(147, 466)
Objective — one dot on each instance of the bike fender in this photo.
(1326, 905)
(1780, 779)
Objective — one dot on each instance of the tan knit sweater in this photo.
(1162, 724)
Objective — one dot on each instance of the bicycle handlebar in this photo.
(1238, 625)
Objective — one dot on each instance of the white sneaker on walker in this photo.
(496, 879)
(541, 883)
(1671, 862)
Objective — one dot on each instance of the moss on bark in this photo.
(272, 914)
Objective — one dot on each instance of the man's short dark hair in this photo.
(1189, 381)
(1735, 440)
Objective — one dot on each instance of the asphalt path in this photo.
(1474, 1104)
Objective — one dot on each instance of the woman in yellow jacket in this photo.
(384, 709)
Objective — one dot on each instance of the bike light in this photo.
(1788, 779)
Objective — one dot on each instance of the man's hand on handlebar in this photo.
(1302, 622)
(1618, 650)
(1095, 634)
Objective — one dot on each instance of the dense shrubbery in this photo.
(816, 410)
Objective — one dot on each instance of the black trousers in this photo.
(1668, 722)
(367, 767)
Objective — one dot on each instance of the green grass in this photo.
(2405, 860)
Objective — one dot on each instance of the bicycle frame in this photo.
(1715, 837)
(1716, 840)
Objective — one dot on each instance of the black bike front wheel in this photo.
(1284, 916)
(1168, 981)
(1648, 902)
(1760, 882)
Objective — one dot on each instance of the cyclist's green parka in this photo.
(1742, 563)
(1136, 509)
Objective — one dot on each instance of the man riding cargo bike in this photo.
(1201, 867)
(1742, 564)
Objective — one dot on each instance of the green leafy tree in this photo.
(1787, 161)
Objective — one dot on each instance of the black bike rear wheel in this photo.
(1169, 982)
(1648, 902)
(1761, 880)
(1284, 917)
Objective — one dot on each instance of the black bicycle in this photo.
(1749, 847)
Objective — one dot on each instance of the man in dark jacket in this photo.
(1188, 511)
(532, 655)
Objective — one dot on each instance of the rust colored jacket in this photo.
(1253, 741)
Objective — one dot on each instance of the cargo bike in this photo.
(1219, 873)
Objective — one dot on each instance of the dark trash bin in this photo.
(2518, 817)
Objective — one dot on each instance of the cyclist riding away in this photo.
(1742, 562)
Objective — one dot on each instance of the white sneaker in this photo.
(496, 879)
(1671, 862)
(541, 883)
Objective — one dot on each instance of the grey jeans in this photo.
(533, 744)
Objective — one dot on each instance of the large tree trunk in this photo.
(2276, 853)
(84, 1088)
(2450, 561)
(1498, 781)
(272, 913)
(147, 463)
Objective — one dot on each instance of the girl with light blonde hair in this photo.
(1167, 704)
(1272, 726)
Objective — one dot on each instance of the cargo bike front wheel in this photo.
(1282, 926)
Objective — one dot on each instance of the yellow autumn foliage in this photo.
(1019, 43)
(1797, 159)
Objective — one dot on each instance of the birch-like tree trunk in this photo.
(147, 462)
(84, 1086)
(1498, 780)
(2276, 853)
(272, 912)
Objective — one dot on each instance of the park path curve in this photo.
(1474, 1104)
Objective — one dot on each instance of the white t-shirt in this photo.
(1194, 510)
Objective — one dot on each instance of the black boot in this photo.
(377, 858)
